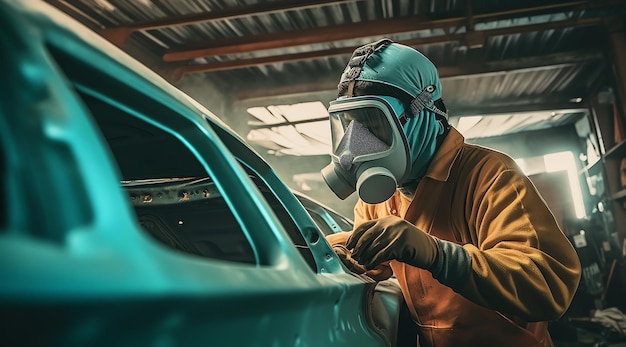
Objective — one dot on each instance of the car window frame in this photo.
(210, 136)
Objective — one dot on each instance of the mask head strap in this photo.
(355, 66)
(358, 59)
(419, 104)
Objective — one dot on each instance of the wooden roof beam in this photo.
(178, 72)
(338, 33)
(548, 61)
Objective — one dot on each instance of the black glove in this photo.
(394, 238)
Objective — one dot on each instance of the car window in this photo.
(343, 223)
(325, 218)
(175, 198)
(321, 222)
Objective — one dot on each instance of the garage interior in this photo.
(543, 81)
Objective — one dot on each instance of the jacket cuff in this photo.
(452, 265)
(339, 238)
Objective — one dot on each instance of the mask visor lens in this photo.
(372, 119)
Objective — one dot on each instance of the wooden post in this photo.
(617, 42)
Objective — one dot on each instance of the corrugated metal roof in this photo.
(495, 56)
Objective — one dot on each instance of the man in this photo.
(479, 256)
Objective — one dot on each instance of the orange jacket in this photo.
(524, 270)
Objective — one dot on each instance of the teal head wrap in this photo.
(421, 133)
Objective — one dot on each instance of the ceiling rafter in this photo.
(355, 30)
(179, 71)
(120, 34)
(548, 61)
(308, 36)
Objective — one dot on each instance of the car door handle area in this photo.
(390, 316)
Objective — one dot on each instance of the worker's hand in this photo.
(389, 238)
(346, 258)
(379, 273)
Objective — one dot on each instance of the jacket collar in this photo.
(444, 158)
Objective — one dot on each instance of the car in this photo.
(327, 220)
(132, 215)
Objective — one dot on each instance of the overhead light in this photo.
(105, 5)
(264, 115)
(310, 135)
(565, 161)
(305, 187)
(319, 131)
(576, 100)
(467, 122)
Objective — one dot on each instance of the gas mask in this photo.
(369, 153)
(377, 144)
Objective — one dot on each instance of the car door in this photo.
(383, 301)
(91, 141)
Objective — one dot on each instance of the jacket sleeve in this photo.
(361, 214)
(522, 263)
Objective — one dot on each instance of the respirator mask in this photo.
(369, 152)
(378, 141)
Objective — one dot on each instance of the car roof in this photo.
(49, 21)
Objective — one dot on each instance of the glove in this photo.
(390, 238)
(379, 273)
(393, 238)
(346, 258)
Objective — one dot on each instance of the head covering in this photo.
(400, 66)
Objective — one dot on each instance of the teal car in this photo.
(132, 216)
(327, 220)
